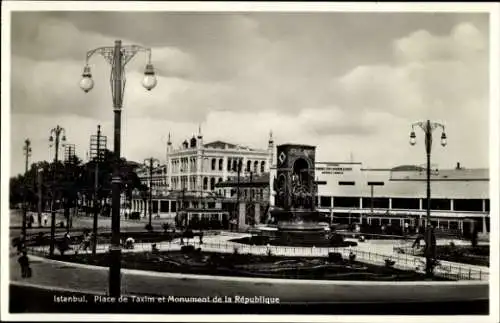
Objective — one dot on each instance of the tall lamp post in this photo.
(151, 163)
(27, 154)
(430, 241)
(117, 56)
(60, 135)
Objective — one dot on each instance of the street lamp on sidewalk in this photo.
(59, 133)
(430, 240)
(117, 56)
(151, 163)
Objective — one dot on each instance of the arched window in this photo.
(220, 179)
(213, 163)
(212, 183)
(229, 164)
(235, 165)
(205, 183)
(262, 166)
(221, 164)
(255, 166)
(249, 166)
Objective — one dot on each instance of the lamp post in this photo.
(117, 56)
(39, 189)
(60, 135)
(27, 154)
(428, 127)
(238, 173)
(151, 163)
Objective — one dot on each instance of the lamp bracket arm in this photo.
(106, 52)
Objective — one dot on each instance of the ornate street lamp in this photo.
(117, 56)
(430, 241)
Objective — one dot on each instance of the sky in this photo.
(349, 83)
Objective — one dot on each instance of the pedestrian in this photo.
(25, 265)
(85, 244)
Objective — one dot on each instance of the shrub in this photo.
(187, 249)
(352, 257)
(389, 263)
(134, 215)
(334, 256)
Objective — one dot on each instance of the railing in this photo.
(401, 261)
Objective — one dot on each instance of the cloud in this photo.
(243, 75)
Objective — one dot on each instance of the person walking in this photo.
(25, 265)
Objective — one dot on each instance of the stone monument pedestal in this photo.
(299, 228)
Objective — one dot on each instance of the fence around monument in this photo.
(404, 261)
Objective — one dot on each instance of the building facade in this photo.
(348, 192)
(194, 169)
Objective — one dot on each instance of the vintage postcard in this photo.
(239, 161)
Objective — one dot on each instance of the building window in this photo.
(249, 165)
(468, 205)
(262, 166)
(155, 207)
(351, 202)
(173, 206)
(235, 165)
(163, 206)
(402, 203)
(347, 183)
(212, 183)
(255, 167)
(221, 164)
(487, 205)
(378, 202)
(205, 183)
(213, 163)
(325, 201)
(229, 163)
(440, 204)
(211, 205)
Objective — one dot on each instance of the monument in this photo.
(295, 211)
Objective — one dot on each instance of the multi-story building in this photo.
(192, 171)
(196, 166)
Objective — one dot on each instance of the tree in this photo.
(72, 181)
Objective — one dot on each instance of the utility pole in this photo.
(97, 143)
(27, 154)
(150, 163)
(70, 158)
(55, 132)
